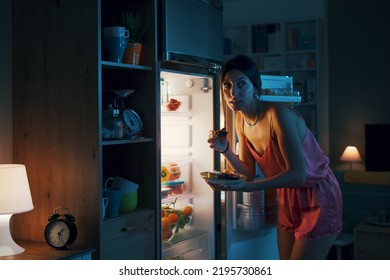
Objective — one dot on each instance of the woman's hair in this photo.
(246, 65)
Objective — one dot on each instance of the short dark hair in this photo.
(246, 65)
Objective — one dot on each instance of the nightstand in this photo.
(35, 250)
(372, 242)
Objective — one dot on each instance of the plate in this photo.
(280, 98)
(132, 120)
(211, 177)
(375, 221)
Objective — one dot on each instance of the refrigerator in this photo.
(222, 225)
(190, 55)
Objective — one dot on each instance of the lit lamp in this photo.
(15, 197)
(351, 154)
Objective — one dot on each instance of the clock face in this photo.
(132, 120)
(57, 233)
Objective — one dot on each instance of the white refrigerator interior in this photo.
(184, 133)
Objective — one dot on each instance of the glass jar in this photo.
(112, 123)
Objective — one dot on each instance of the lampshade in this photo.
(15, 197)
(351, 154)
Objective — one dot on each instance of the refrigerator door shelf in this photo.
(280, 98)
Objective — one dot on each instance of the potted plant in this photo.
(133, 22)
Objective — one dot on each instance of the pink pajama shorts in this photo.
(311, 212)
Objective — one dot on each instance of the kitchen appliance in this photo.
(190, 55)
(192, 31)
(223, 225)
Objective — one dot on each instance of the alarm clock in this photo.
(61, 231)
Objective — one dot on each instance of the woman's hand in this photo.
(239, 186)
(218, 141)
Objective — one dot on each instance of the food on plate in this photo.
(218, 133)
(226, 174)
(221, 133)
(173, 104)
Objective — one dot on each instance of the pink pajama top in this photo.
(314, 209)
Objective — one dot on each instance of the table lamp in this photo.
(15, 197)
(351, 154)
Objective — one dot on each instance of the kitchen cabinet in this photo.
(129, 237)
(372, 242)
(61, 86)
(292, 48)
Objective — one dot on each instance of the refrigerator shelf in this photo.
(280, 98)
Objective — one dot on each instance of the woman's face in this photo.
(237, 89)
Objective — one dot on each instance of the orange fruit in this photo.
(163, 214)
(187, 210)
(172, 218)
(164, 235)
(165, 223)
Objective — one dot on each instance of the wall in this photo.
(251, 11)
(359, 58)
(5, 83)
(258, 11)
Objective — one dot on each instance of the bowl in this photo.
(184, 214)
(176, 186)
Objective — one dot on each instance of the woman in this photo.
(275, 136)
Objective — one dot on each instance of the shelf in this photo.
(289, 47)
(280, 98)
(116, 65)
(177, 114)
(127, 141)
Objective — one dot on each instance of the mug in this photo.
(119, 182)
(104, 206)
(115, 42)
(114, 196)
(129, 192)
(128, 202)
(116, 31)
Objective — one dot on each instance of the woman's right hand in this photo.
(218, 140)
